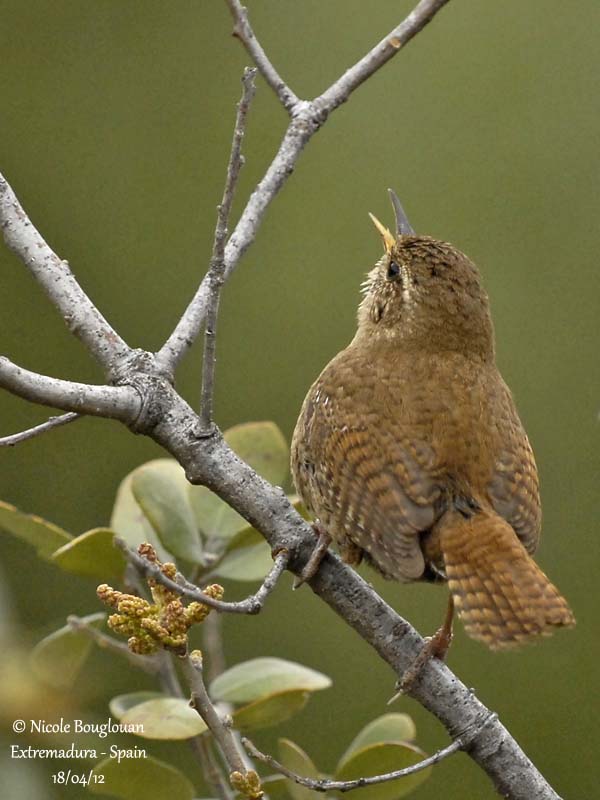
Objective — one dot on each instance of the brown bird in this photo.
(409, 451)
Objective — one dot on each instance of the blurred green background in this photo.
(115, 127)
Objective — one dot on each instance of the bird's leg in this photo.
(312, 565)
(435, 646)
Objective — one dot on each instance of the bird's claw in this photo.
(318, 554)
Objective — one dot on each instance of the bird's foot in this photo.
(318, 554)
(435, 646)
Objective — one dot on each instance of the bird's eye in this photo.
(393, 271)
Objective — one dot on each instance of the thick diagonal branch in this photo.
(56, 279)
(212, 463)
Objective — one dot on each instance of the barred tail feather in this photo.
(501, 595)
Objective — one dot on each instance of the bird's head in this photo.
(425, 294)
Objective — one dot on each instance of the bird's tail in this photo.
(500, 593)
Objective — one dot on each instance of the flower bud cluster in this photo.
(161, 624)
(247, 784)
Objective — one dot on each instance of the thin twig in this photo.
(386, 49)
(308, 117)
(192, 665)
(251, 605)
(326, 785)
(243, 30)
(37, 430)
(216, 272)
(56, 279)
(198, 744)
(149, 664)
(212, 647)
(241, 777)
(116, 402)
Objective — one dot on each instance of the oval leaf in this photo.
(130, 523)
(247, 563)
(260, 677)
(214, 518)
(165, 718)
(247, 537)
(159, 490)
(248, 556)
(392, 728)
(295, 759)
(123, 702)
(270, 710)
(378, 759)
(58, 658)
(139, 779)
(41, 534)
(93, 555)
(263, 446)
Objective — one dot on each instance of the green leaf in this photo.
(263, 446)
(295, 759)
(378, 759)
(248, 556)
(121, 703)
(246, 537)
(130, 523)
(43, 535)
(161, 494)
(270, 710)
(260, 677)
(247, 563)
(93, 555)
(59, 657)
(213, 516)
(394, 728)
(139, 779)
(165, 718)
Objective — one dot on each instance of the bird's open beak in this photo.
(403, 226)
(389, 239)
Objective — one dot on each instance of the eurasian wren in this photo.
(410, 453)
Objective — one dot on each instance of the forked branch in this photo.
(251, 605)
(328, 785)
(307, 118)
(243, 30)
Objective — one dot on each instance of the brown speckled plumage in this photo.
(410, 452)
